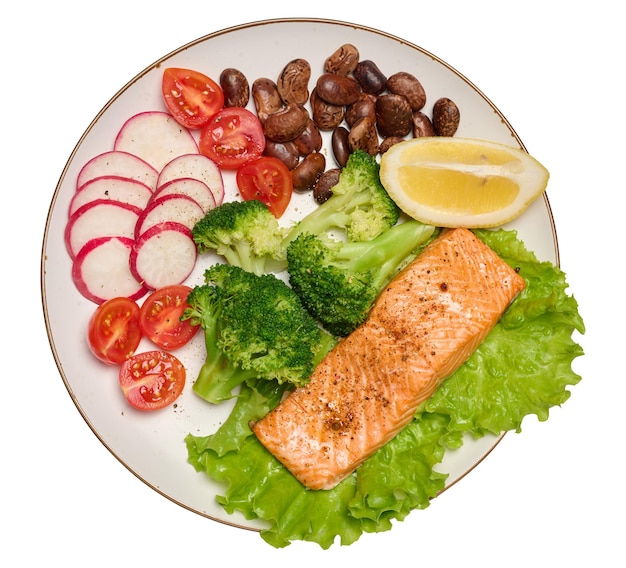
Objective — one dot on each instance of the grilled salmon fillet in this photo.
(424, 325)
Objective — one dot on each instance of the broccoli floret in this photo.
(338, 281)
(360, 207)
(255, 328)
(245, 233)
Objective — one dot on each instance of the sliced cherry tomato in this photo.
(114, 333)
(232, 137)
(191, 97)
(267, 179)
(152, 380)
(160, 317)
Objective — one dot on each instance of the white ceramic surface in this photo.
(152, 445)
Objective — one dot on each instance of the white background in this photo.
(550, 496)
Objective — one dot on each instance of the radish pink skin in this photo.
(164, 201)
(177, 186)
(133, 186)
(85, 210)
(154, 232)
(77, 275)
(118, 163)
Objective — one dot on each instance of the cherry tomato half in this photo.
(152, 380)
(159, 317)
(191, 97)
(232, 137)
(266, 179)
(114, 333)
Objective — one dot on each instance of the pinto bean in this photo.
(310, 140)
(393, 115)
(422, 125)
(409, 87)
(293, 82)
(370, 77)
(286, 152)
(388, 143)
(341, 148)
(325, 115)
(266, 98)
(235, 86)
(363, 136)
(323, 188)
(365, 105)
(337, 89)
(446, 117)
(287, 123)
(308, 171)
(343, 61)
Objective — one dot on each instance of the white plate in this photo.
(151, 445)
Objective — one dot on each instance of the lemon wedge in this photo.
(461, 182)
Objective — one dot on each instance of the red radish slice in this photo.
(117, 163)
(115, 188)
(196, 166)
(163, 255)
(100, 218)
(101, 270)
(194, 188)
(155, 137)
(179, 208)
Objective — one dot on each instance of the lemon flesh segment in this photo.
(457, 192)
(461, 182)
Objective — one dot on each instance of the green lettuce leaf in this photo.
(396, 480)
(523, 367)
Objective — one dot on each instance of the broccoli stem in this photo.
(218, 376)
(383, 254)
(332, 214)
(243, 256)
(326, 345)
